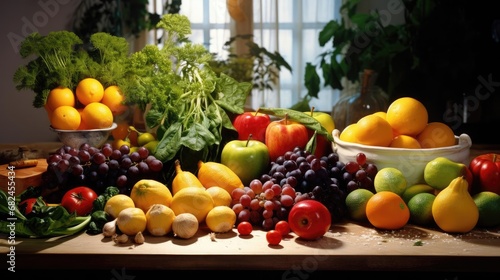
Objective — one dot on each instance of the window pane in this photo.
(193, 9)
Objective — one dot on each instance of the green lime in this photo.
(356, 203)
(390, 179)
(416, 189)
(420, 206)
(488, 204)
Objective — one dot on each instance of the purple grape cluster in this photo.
(98, 168)
(299, 175)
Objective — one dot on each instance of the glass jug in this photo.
(367, 99)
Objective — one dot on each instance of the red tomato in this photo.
(245, 228)
(80, 200)
(283, 227)
(26, 206)
(485, 169)
(273, 237)
(309, 219)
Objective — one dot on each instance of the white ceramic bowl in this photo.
(93, 137)
(410, 161)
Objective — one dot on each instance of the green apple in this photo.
(323, 146)
(249, 159)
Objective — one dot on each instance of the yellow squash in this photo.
(217, 174)
(184, 179)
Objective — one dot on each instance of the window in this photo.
(290, 27)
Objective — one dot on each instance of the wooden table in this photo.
(347, 247)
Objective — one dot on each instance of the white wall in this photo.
(20, 122)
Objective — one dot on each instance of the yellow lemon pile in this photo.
(405, 124)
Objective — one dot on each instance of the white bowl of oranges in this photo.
(85, 115)
(401, 138)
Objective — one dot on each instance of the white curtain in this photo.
(290, 27)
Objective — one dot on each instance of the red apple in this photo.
(323, 145)
(254, 123)
(284, 135)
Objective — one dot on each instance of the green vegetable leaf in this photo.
(299, 117)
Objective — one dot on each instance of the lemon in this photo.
(420, 206)
(159, 219)
(488, 204)
(221, 219)
(220, 196)
(356, 203)
(416, 189)
(147, 192)
(117, 203)
(194, 200)
(132, 220)
(390, 179)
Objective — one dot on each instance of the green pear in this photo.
(439, 172)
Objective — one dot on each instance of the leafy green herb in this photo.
(98, 216)
(44, 221)
(418, 243)
(187, 103)
(60, 59)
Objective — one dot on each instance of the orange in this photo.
(348, 134)
(121, 131)
(83, 125)
(65, 117)
(60, 96)
(114, 98)
(89, 90)
(387, 210)
(436, 135)
(381, 114)
(407, 115)
(97, 115)
(374, 131)
(405, 141)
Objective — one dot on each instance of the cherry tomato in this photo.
(283, 227)
(245, 228)
(80, 200)
(273, 237)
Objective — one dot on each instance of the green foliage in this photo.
(187, 103)
(44, 221)
(61, 59)
(361, 41)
